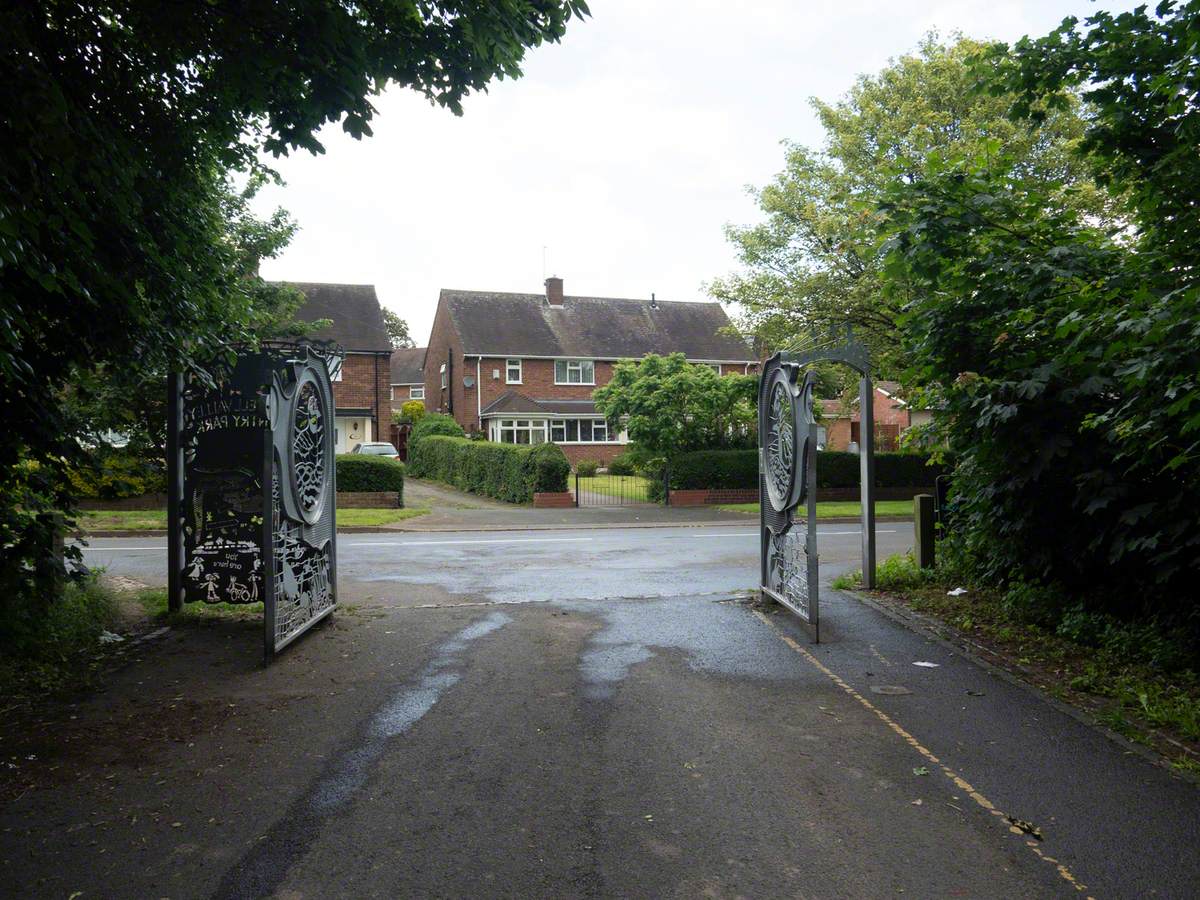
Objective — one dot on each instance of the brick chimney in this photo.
(554, 294)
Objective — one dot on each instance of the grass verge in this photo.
(100, 521)
(833, 509)
(58, 650)
(1140, 680)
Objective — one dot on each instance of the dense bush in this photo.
(116, 474)
(357, 472)
(622, 465)
(837, 469)
(715, 469)
(586, 468)
(733, 469)
(436, 423)
(511, 472)
(410, 412)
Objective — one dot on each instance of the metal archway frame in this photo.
(787, 438)
(854, 353)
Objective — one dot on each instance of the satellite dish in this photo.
(468, 380)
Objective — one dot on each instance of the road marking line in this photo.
(489, 541)
(957, 779)
(754, 533)
(118, 549)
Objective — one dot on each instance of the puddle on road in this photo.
(721, 638)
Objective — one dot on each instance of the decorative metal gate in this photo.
(613, 490)
(787, 440)
(252, 488)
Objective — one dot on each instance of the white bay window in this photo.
(522, 431)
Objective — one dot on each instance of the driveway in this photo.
(578, 714)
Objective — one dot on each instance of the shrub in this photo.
(116, 474)
(436, 423)
(511, 472)
(412, 411)
(586, 468)
(622, 465)
(356, 472)
(837, 469)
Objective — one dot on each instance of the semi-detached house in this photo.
(522, 367)
(362, 390)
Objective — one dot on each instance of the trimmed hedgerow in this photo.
(714, 470)
(356, 472)
(586, 468)
(511, 472)
(734, 469)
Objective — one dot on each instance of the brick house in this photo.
(893, 417)
(362, 391)
(408, 376)
(522, 367)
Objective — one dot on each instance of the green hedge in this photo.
(735, 469)
(358, 472)
(512, 472)
(435, 423)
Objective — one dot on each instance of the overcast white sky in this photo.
(623, 151)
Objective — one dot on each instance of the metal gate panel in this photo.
(787, 435)
(253, 487)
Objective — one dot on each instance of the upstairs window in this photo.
(512, 370)
(417, 392)
(574, 371)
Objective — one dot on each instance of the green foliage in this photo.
(668, 405)
(511, 472)
(813, 263)
(738, 469)
(714, 469)
(125, 251)
(435, 423)
(53, 649)
(397, 330)
(412, 410)
(116, 474)
(586, 468)
(1066, 357)
(622, 465)
(359, 472)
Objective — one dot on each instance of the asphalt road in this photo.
(637, 733)
(525, 566)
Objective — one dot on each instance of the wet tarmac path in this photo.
(581, 714)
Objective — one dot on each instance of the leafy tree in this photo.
(122, 121)
(668, 405)
(397, 330)
(813, 263)
(1067, 356)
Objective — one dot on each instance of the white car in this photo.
(376, 449)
